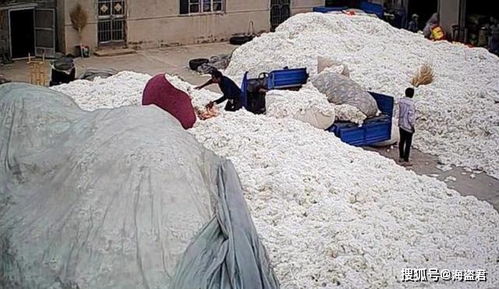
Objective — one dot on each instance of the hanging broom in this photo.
(423, 76)
(79, 19)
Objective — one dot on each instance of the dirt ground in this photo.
(174, 60)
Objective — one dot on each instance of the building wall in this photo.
(70, 37)
(60, 25)
(301, 6)
(4, 32)
(449, 14)
(157, 23)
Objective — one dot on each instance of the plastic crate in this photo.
(323, 9)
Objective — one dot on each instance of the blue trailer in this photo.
(374, 130)
(324, 9)
(368, 7)
(254, 101)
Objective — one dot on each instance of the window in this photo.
(200, 6)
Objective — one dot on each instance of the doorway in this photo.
(424, 8)
(112, 22)
(280, 10)
(22, 33)
(480, 19)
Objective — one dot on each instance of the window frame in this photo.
(201, 5)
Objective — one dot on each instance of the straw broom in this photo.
(423, 76)
(79, 18)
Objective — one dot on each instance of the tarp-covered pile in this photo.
(121, 198)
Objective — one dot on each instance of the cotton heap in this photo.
(458, 114)
(307, 105)
(310, 106)
(107, 92)
(336, 216)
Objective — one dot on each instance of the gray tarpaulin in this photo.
(121, 198)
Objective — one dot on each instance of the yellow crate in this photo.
(38, 72)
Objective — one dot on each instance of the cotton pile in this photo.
(331, 214)
(336, 216)
(458, 114)
(107, 92)
(123, 89)
(307, 105)
(311, 106)
(199, 97)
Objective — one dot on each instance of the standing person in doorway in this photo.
(494, 36)
(407, 121)
(231, 92)
(414, 23)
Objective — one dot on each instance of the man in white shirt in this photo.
(407, 121)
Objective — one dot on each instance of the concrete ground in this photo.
(174, 60)
(477, 184)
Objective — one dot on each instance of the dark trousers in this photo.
(405, 144)
(233, 105)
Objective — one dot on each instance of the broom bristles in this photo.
(78, 17)
(424, 76)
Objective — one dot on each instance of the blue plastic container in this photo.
(374, 130)
(323, 9)
(287, 78)
(277, 79)
(372, 8)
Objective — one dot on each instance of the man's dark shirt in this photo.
(230, 90)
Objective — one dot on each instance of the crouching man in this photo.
(231, 92)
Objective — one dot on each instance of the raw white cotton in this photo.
(331, 214)
(307, 105)
(327, 64)
(444, 168)
(450, 179)
(346, 112)
(457, 115)
(200, 97)
(284, 103)
(122, 89)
